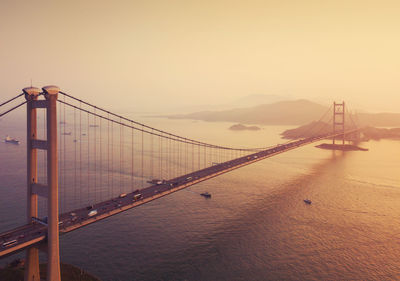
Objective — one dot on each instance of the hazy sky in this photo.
(138, 53)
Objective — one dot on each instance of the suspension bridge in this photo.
(85, 163)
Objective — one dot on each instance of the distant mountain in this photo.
(296, 112)
(281, 113)
(380, 119)
(254, 100)
(246, 101)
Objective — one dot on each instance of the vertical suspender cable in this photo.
(101, 163)
(205, 156)
(88, 158)
(42, 209)
(95, 156)
(74, 201)
(169, 158)
(112, 159)
(186, 158)
(165, 158)
(192, 157)
(64, 186)
(132, 159)
(159, 157)
(108, 155)
(120, 155)
(151, 155)
(142, 159)
(176, 148)
(60, 170)
(179, 159)
(80, 154)
(212, 155)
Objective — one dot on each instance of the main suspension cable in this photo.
(10, 100)
(13, 108)
(148, 128)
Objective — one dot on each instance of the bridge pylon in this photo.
(338, 120)
(32, 254)
(50, 192)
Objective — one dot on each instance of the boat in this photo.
(307, 201)
(206, 194)
(11, 140)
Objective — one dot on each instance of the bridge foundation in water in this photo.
(338, 132)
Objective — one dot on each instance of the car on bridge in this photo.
(9, 243)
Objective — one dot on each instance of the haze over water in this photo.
(256, 225)
(172, 56)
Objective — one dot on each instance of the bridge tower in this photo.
(32, 254)
(49, 191)
(338, 120)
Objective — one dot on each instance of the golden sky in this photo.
(116, 53)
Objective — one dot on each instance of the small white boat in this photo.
(11, 140)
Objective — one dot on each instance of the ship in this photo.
(11, 140)
(206, 195)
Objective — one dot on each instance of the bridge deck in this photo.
(31, 234)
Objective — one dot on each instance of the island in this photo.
(241, 127)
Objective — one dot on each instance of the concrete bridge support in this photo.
(53, 254)
(32, 254)
(53, 249)
(338, 120)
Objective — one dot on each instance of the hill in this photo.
(280, 113)
(241, 127)
(297, 112)
(380, 119)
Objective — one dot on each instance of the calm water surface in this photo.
(255, 227)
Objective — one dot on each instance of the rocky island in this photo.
(241, 127)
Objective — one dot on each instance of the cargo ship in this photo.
(11, 140)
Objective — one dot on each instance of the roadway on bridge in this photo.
(30, 234)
